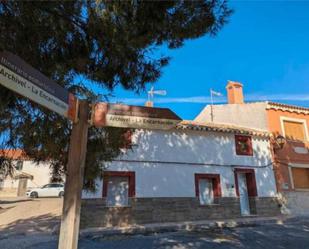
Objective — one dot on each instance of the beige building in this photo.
(27, 175)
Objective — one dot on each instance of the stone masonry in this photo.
(95, 213)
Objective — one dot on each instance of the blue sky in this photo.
(265, 46)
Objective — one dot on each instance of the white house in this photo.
(196, 171)
(27, 174)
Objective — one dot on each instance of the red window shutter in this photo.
(127, 139)
(243, 145)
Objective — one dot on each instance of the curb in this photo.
(182, 226)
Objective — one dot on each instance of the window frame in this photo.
(295, 120)
(216, 185)
(238, 137)
(131, 182)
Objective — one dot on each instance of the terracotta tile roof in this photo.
(285, 107)
(216, 127)
(16, 154)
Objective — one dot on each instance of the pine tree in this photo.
(82, 44)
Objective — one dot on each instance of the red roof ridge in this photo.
(16, 154)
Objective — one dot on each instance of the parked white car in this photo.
(48, 190)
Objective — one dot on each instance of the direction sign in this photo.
(20, 77)
(117, 115)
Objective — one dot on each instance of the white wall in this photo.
(155, 177)
(41, 175)
(195, 147)
(252, 115)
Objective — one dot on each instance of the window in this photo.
(117, 191)
(300, 177)
(19, 165)
(207, 187)
(243, 145)
(127, 139)
(56, 185)
(47, 186)
(294, 130)
(206, 194)
(118, 187)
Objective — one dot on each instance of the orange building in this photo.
(291, 162)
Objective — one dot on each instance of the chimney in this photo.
(234, 93)
(149, 103)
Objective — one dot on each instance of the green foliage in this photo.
(107, 43)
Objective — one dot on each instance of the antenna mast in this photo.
(151, 94)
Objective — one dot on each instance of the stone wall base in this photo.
(294, 202)
(159, 210)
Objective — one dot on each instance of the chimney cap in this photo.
(149, 103)
(233, 83)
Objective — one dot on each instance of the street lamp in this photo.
(279, 142)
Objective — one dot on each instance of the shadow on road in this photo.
(46, 223)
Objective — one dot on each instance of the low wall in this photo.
(295, 202)
(8, 192)
(156, 210)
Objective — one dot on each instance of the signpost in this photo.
(69, 230)
(128, 116)
(20, 77)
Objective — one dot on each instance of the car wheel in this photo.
(34, 195)
(61, 194)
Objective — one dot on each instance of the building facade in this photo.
(27, 174)
(194, 172)
(291, 163)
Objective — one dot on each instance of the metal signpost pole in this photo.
(69, 230)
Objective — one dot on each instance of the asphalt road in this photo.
(292, 235)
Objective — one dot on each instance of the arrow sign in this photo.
(20, 77)
(128, 116)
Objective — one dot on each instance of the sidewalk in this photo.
(187, 226)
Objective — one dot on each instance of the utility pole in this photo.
(69, 230)
(212, 92)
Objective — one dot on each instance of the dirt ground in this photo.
(25, 215)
